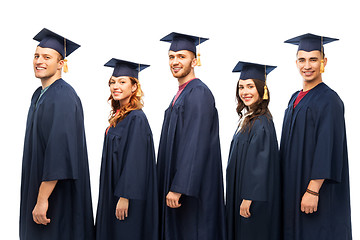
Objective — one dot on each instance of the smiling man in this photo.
(55, 185)
(189, 159)
(316, 195)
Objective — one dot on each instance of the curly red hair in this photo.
(118, 113)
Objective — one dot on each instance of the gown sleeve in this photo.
(133, 177)
(63, 136)
(257, 165)
(329, 139)
(196, 126)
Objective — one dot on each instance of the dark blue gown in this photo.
(128, 170)
(55, 149)
(253, 173)
(313, 146)
(189, 162)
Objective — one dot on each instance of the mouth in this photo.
(308, 73)
(40, 68)
(246, 99)
(176, 69)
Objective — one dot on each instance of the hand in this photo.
(39, 212)
(245, 208)
(172, 199)
(309, 203)
(122, 208)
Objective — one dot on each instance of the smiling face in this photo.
(121, 89)
(309, 64)
(47, 64)
(182, 65)
(248, 92)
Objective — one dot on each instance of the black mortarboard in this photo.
(49, 39)
(310, 42)
(183, 42)
(253, 70)
(125, 68)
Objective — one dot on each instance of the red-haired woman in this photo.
(253, 174)
(127, 206)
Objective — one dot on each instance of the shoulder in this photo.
(327, 98)
(199, 91)
(263, 122)
(64, 93)
(137, 118)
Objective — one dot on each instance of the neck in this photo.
(308, 85)
(187, 78)
(45, 82)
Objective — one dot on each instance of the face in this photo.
(308, 64)
(248, 92)
(181, 63)
(121, 89)
(46, 63)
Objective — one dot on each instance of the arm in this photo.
(309, 202)
(41, 207)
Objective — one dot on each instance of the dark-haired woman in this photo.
(127, 206)
(253, 171)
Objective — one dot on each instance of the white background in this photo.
(238, 30)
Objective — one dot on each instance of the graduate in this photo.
(189, 160)
(55, 183)
(253, 171)
(128, 200)
(313, 148)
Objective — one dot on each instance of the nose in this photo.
(38, 60)
(307, 65)
(175, 61)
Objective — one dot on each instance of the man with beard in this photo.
(189, 159)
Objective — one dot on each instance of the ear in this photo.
(60, 65)
(134, 87)
(194, 62)
(325, 61)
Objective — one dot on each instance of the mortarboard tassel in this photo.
(266, 95)
(322, 68)
(65, 68)
(198, 60)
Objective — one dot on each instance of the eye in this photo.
(241, 87)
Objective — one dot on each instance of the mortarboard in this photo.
(184, 42)
(310, 42)
(63, 46)
(254, 71)
(125, 68)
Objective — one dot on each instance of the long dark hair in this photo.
(260, 107)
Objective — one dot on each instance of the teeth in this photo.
(39, 68)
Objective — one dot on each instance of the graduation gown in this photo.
(253, 173)
(189, 162)
(313, 146)
(55, 149)
(128, 170)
